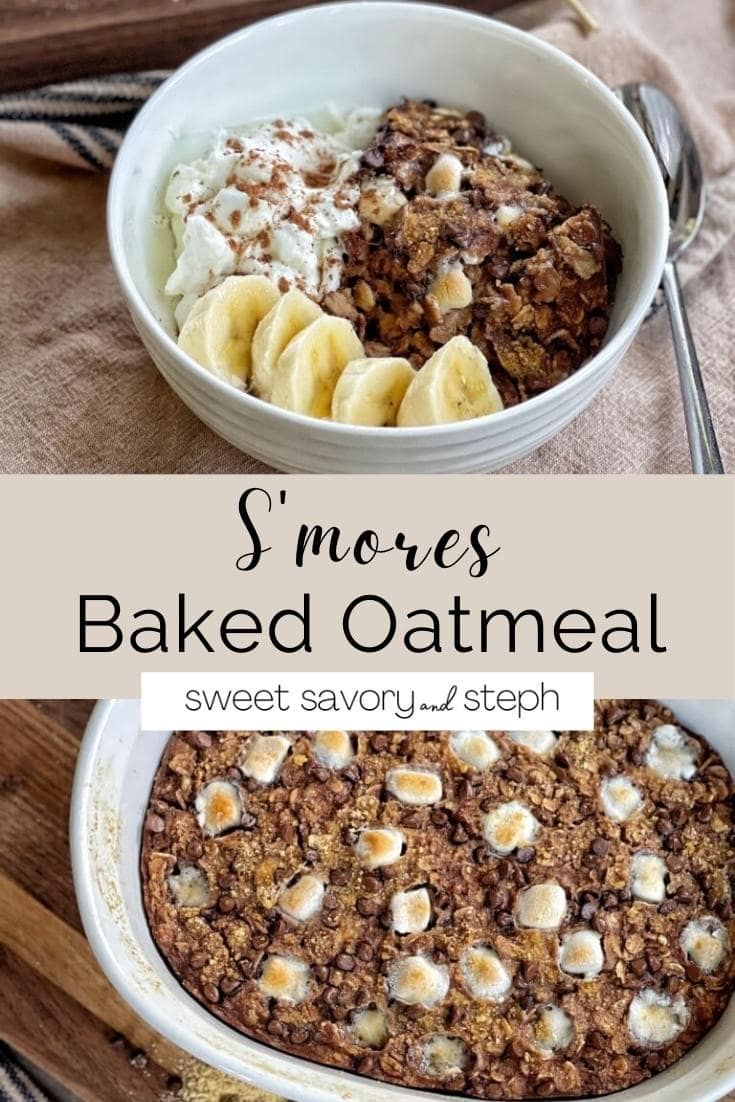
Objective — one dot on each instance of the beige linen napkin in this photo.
(78, 392)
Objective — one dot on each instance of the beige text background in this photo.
(594, 543)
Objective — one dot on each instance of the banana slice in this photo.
(370, 391)
(454, 385)
(309, 367)
(292, 313)
(218, 333)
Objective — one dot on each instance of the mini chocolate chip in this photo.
(259, 941)
(194, 850)
(664, 827)
(365, 951)
(210, 992)
(600, 847)
(638, 966)
(693, 973)
(525, 854)
(372, 884)
(227, 880)
(514, 774)
(704, 813)
(226, 904)
(667, 907)
(366, 1065)
(465, 790)
(311, 856)
(377, 742)
(320, 973)
(458, 834)
(439, 818)
(275, 1028)
(652, 1060)
(609, 900)
(367, 906)
(352, 772)
(299, 1036)
(340, 877)
(589, 909)
(505, 920)
(545, 1088)
(345, 962)
(654, 962)
(155, 823)
(200, 740)
(562, 759)
(230, 985)
(319, 772)
(412, 820)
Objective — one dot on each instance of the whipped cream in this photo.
(273, 199)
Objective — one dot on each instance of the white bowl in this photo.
(370, 53)
(111, 790)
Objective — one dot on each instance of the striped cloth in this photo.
(15, 1084)
(79, 123)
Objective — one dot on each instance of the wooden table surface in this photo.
(50, 40)
(56, 1008)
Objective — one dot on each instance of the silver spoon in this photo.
(677, 157)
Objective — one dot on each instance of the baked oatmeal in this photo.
(503, 914)
(456, 279)
(459, 235)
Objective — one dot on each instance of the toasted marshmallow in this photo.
(414, 786)
(443, 1055)
(704, 941)
(369, 1028)
(542, 906)
(507, 214)
(540, 742)
(648, 874)
(451, 288)
(378, 846)
(303, 899)
(264, 756)
(285, 978)
(484, 974)
(581, 954)
(381, 200)
(474, 748)
(553, 1029)
(189, 886)
(620, 798)
(444, 178)
(417, 980)
(509, 826)
(333, 749)
(218, 807)
(671, 753)
(411, 911)
(656, 1019)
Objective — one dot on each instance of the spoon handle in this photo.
(700, 430)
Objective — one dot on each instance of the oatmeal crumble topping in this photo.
(460, 236)
(337, 921)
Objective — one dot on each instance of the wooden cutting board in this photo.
(57, 1009)
(51, 40)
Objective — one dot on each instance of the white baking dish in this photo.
(111, 789)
